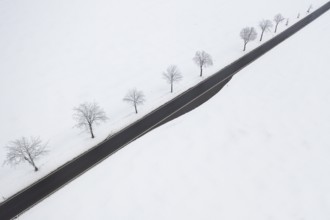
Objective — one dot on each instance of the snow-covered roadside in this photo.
(257, 150)
(56, 55)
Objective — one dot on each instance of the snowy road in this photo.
(190, 99)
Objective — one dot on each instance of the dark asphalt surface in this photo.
(174, 108)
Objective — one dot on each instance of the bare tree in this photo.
(278, 19)
(25, 150)
(172, 75)
(87, 115)
(265, 26)
(135, 98)
(202, 59)
(309, 8)
(248, 34)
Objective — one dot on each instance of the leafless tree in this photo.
(265, 26)
(309, 8)
(25, 150)
(87, 115)
(135, 98)
(248, 34)
(278, 19)
(172, 75)
(202, 59)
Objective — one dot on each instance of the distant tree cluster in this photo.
(249, 34)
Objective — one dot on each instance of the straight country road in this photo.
(190, 99)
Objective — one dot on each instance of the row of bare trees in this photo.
(87, 115)
(250, 34)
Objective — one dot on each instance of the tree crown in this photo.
(248, 34)
(172, 74)
(87, 114)
(278, 18)
(203, 59)
(265, 25)
(135, 97)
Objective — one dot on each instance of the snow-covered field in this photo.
(258, 150)
(57, 54)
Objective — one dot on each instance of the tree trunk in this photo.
(244, 46)
(171, 87)
(33, 164)
(91, 130)
(262, 34)
(135, 109)
(276, 27)
(30, 161)
(201, 71)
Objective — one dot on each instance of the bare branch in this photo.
(202, 59)
(135, 98)
(25, 150)
(172, 75)
(88, 114)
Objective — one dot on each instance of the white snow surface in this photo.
(258, 150)
(57, 54)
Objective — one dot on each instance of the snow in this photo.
(57, 54)
(258, 150)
